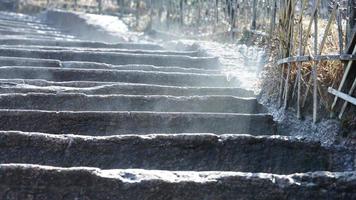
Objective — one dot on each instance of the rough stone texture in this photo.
(107, 50)
(29, 29)
(24, 24)
(115, 58)
(159, 103)
(129, 76)
(89, 87)
(111, 123)
(187, 152)
(88, 44)
(93, 65)
(40, 182)
(18, 61)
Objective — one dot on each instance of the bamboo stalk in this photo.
(291, 28)
(315, 76)
(331, 19)
(286, 86)
(347, 70)
(281, 89)
(310, 24)
(339, 28)
(346, 102)
(342, 95)
(299, 73)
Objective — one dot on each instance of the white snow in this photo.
(109, 23)
(239, 61)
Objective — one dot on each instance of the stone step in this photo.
(19, 17)
(20, 61)
(21, 181)
(44, 36)
(130, 76)
(115, 58)
(158, 103)
(114, 123)
(18, 20)
(14, 24)
(105, 50)
(85, 44)
(36, 62)
(97, 88)
(36, 37)
(32, 33)
(29, 29)
(7, 16)
(182, 152)
(94, 65)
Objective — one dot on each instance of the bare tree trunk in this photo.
(181, 10)
(121, 4)
(351, 11)
(216, 11)
(137, 14)
(273, 17)
(150, 2)
(254, 15)
(100, 8)
(168, 14)
(199, 12)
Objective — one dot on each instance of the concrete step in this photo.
(158, 103)
(114, 123)
(130, 76)
(183, 152)
(83, 44)
(116, 58)
(105, 50)
(102, 88)
(44, 182)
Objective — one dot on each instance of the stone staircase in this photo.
(84, 120)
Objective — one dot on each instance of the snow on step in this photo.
(115, 123)
(97, 88)
(159, 103)
(43, 182)
(115, 58)
(107, 50)
(36, 62)
(94, 65)
(129, 76)
(19, 24)
(184, 152)
(83, 44)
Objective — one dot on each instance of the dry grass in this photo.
(329, 72)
